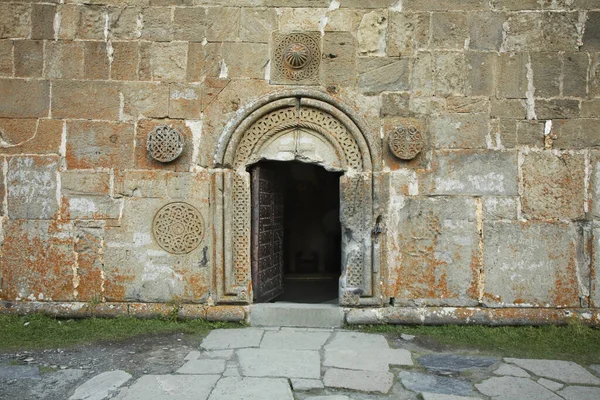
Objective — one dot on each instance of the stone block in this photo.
(85, 99)
(145, 99)
(377, 75)
(372, 32)
(547, 68)
(123, 23)
(485, 30)
(575, 72)
(302, 19)
(143, 159)
(219, 339)
(185, 100)
(503, 134)
(91, 22)
(252, 389)
(591, 36)
(31, 184)
(23, 98)
(96, 63)
(167, 61)
(37, 261)
(553, 186)
(30, 136)
(303, 315)
(89, 246)
(29, 58)
(508, 108)
(343, 19)
(6, 58)
(449, 71)
(222, 24)
(450, 5)
(449, 30)
(530, 133)
(459, 131)
(236, 60)
(420, 382)
(433, 251)
(516, 5)
(94, 144)
(141, 184)
(576, 134)
(2, 191)
(196, 60)
(480, 73)
(157, 24)
(561, 31)
(42, 21)
(15, 20)
(564, 371)
(595, 281)
(557, 109)
(101, 386)
(75, 182)
(477, 173)
(280, 363)
(595, 183)
(464, 105)
(86, 195)
(294, 340)
(338, 66)
(500, 208)
(189, 24)
(407, 33)
(69, 21)
(511, 387)
(511, 73)
(364, 381)
(395, 105)
(125, 61)
(594, 75)
(64, 60)
(202, 367)
(136, 268)
(590, 108)
(530, 264)
(523, 32)
(258, 24)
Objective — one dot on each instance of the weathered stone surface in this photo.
(157, 24)
(573, 134)
(474, 172)
(145, 99)
(372, 33)
(591, 36)
(553, 185)
(294, 340)
(512, 76)
(125, 61)
(530, 133)
(523, 31)
(515, 388)
(99, 144)
(101, 386)
(95, 60)
(407, 33)
(29, 58)
(42, 21)
(216, 29)
(500, 208)
(480, 73)
(338, 66)
(557, 108)
(434, 250)
(420, 382)
(6, 57)
(86, 196)
(15, 20)
(335, 397)
(563, 371)
(31, 187)
(64, 60)
(485, 29)
(449, 30)
(580, 393)
(233, 338)
(30, 136)
(9, 372)
(24, 98)
(460, 131)
(455, 363)
(169, 387)
(257, 24)
(364, 381)
(426, 5)
(252, 389)
(202, 367)
(101, 100)
(90, 22)
(372, 359)
(377, 75)
(575, 70)
(548, 384)
(516, 274)
(306, 384)
(438, 396)
(350, 340)
(280, 363)
(511, 370)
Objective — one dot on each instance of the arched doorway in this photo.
(312, 129)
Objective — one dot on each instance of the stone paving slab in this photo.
(306, 384)
(252, 389)
(364, 381)
(357, 340)
(101, 386)
(374, 359)
(224, 354)
(419, 382)
(580, 393)
(548, 384)
(511, 370)
(280, 363)
(167, 387)
(512, 388)
(19, 372)
(203, 367)
(294, 340)
(455, 363)
(336, 397)
(220, 339)
(564, 371)
(439, 396)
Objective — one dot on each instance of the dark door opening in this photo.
(296, 234)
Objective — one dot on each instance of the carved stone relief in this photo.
(405, 142)
(164, 144)
(296, 58)
(178, 228)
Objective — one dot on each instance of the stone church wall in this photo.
(499, 210)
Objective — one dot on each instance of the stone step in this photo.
(296, 314)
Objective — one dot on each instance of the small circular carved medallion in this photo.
(164, 144)
(178, 228)
(297, 56)
(405, 142)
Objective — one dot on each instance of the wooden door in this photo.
(267, 233)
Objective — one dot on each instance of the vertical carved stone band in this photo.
(296, 58)
(178, 228)
(405, 142)
(164, 144)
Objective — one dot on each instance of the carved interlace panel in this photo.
(178, 228)
(241, 230)
(164, 143)
(405, 142)
(296, 58)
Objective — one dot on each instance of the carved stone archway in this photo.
(310, 128)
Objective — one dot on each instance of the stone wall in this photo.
(500, 209)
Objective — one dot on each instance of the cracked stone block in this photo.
(101, 386)
(419, 382)
(232, 339)
(252, 389)
(563, 371)
(363, 381)
(202, 367)
(510, 388)
(180, 387)
(280, 363)
(455, 363)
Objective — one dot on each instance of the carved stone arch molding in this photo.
(309, 127)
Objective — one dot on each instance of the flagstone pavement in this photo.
(329, 364)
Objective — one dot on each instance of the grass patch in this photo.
(40, 331)
(574, 342)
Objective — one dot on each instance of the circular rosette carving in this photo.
(405, 142)
(164, 143)
(297, 56)
(178, 228)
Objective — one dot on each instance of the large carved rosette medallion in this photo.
(405, 142)
(164, 144)
(178, 228)
(296, 58)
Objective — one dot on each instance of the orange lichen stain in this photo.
(473, 290)
(115, 288)
(566, 287)
(65, 209)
